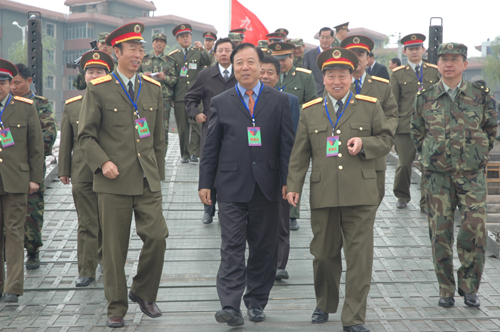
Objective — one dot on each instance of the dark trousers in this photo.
(283, 234)
(255, 222)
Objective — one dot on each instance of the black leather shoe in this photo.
(446, 302)
(294, 225)
(470, 300)
(356, 328)
(83, 281)
(401, 204)
(10, 297)
(116, 321)
(149, 308)
(207, 218)
(319, 316)
(281, 274)
(256, 315)
(230, 316)
(184, 160)
(193, 159)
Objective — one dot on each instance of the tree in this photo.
(18, 53)
(491, 64)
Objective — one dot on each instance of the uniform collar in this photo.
(5, 100)
(125, 80)
(413, 65)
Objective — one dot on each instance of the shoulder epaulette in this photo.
(381, 79)
(431, 65)
(307, 71)
(69, 101)
(101, 79)
(481, 87)
(174, 51)
(149, 79)
(398, 68)
(26, 100)
(367, 98)
(40, 97)
(312, 102)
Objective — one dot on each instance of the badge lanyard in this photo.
(255, 104)
(421, 76)
(281, 89)
(32, 95)
(130, 98)
(338, 118)
(3, 109)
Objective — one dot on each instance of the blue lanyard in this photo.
(338, 118)
(185, 54)
(254, 105)
(358, 86)
(32, 95)
(319, 50)
(421, 74)
(130, 98)
(281, 89)
(3, 109)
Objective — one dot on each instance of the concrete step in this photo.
(493, 218)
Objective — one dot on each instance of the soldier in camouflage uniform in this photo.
(161, 67)
(34, 216)
(341, 31)
(79, 80)
(453, 126)
(298, 51)
(263, 44)
(235, 38)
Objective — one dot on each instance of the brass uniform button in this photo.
(360, 128)
(338, 131)
(340, 143)
(187, 75)
(340, 155)
(139, 154)
(18, 126)
(136, 127)
(1, 160)
(138, 141)
(341, 167)
(316, 131)
(151, 109)
(0, 149)
(77, 122)
(115, 110)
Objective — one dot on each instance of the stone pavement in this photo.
(403, 296)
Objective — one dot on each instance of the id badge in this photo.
(142, 127)
(420, 86)
(332, 146)
(184, 72)
(193, 66)
(6, 137)
(254, 136)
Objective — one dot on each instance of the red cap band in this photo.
(416, 41)
(125, 37)
(5, 71)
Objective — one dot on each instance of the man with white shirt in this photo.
(376, 69)
(309, 62)
(210, 82)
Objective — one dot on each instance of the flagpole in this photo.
(230, 2)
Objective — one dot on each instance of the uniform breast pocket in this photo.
(115, 114)
(149, 111)
(360, 129)
(429, 82)
(318, 134)
(19, 130)
(74, 126)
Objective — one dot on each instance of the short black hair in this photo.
(326, 29)
(222, 41)
(397, 61)
(24, 71)
(246, 45)
(105, 69)
(350, 69)
(272, 60)
(371, 55)
(463, 56)
(119, 46)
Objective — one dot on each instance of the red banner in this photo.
(241, 17)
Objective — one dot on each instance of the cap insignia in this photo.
(96, 56)
(449, 46)
(183, 26)
(278, 47)
(336, 54)
(413, 37)
(137, 28)
(356, 40)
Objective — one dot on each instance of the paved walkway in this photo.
(403, 296)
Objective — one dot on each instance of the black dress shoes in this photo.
(401, 204)
(446, 302)
(193, 159)
(356, 328)
(256, 314)
(184, 160)
(470, 300)
(149, 308)
(83, 281)
(116, 321)
(281, 274)
(207, 218)
(294, 225)
(10, 297)
(319, 316)
(230, 316)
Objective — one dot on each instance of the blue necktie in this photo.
(340, 104)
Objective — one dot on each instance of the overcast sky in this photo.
(469, 22)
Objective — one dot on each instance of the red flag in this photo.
(241, 17)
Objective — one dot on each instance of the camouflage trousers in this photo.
(34, 218)
(444, 192)
(167, 106)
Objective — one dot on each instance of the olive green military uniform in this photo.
(72, 163)
(20, 164)
(155, 64)
(343, 197)
(405, 84)
(380, 88)
(194, 61)
(36, 204)
(453, 137)
(336, 42)
(79, 80)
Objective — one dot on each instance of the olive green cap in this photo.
(102, 36)
(161, 36)
(298, 42)
(452, 48)
(263, 43)
(235, 36)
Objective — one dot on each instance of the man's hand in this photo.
(33, 188)
(64, 179)
(283, 191)
(198, 45)
(293, 198)
(148, 74)
(110, 170)
(160, 75)
(200, 118)
(205, 196)
(354, 145)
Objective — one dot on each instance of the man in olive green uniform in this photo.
(161, 67)
(406, 81)
(36, 204)
(189, 61)
(341, 32)
(73, 166)
(275, 37)
(79, 80)
(454, 127)
(298, 82)
(298, 51)
(373, 86)
(210, 38)
(122, 138)
(343, 134)
(21, 164)
(285, 33)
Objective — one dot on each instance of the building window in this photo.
(70, 56)
(50, 82)
(155, 31)
(50, 29)
(79, 30)
(70, 83)
(50, 56)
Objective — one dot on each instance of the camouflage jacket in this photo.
(453, 135)
(47, 120)
(79, 80)
(297, 61)
(166, 64)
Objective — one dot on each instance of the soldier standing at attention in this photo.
(161, 67)
(210, 39)
(21, 160)
(189, 61)
(73, 166)
(34, 217)
(341, 32)
(453, 127)
(298, 51)
(343, 134)
(406, 81)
